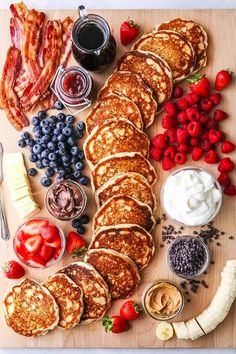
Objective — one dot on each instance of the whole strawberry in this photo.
(75, 244)
(115, 324)
(200, 84)
(223, 79)
(130, 310)
(13, 270)
(128, 31)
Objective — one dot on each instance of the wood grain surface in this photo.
(220, 25)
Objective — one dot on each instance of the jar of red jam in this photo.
(73, 86)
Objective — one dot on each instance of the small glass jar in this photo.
(178, 222)
(148, 294)
(204, 266)
(57, 203)
(93, 45)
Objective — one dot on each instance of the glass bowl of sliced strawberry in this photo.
(39, 243)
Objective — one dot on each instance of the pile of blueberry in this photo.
(79, 222)
(54, 147)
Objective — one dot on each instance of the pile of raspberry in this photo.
(192, 127)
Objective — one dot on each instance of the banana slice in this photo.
(164, 331)
(181, 330)
(194, 329)
(225, 275)
(231, 263)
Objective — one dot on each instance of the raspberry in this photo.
(183, 148)
(156, 153)
(180, 158)
(167, 163)
(215, 136)
(192, 98)
(213, 124)
(204, 119)
(206, 104)
(224, 179)
(205, 136)
(177, 92)
(194, 141)
(215, 98)
(182, 117)
(211, 157)
(159, 141)
(197, 153)
(226, 165)
(169, 122)
(194, 129)
(170, 152)
(193, 114)
(227, 147)
(171, 135)
(230, 190)
(220, 115)
(182, 104)
(182, 135)
(170, 108)
(207, 146)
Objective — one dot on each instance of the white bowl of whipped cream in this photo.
(191, 196)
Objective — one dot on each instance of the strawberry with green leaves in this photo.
(75, 244)
(223, 79)
(128, 31)
(13, 270)
(199, 84)
(130, 310)
(115, 324)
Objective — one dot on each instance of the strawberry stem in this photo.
(79, 251)
(107, 322)
(137, 308)
(230, 71)
(195, 78)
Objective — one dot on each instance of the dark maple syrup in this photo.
(90, 37)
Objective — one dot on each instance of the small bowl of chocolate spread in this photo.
(65, 200)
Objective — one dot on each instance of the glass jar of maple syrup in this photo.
(93, 45)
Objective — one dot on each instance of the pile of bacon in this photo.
(37, 49)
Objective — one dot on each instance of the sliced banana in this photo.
(181, 330)
(164, 331)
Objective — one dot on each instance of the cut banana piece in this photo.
(181, 330)
(231, 262)
(164, 331)
(194, 329)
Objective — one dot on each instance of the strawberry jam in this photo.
(73, 84)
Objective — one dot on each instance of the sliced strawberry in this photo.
(56, 242)
(21, 236)
(38, 259)
(22, 251)
(47, 252)
(49, 233)
(33, 226)
(33, 244)
(57, 252)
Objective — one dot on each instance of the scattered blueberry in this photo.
(71, 141)
(49, 172)
(81, 230)
(74, 150)
(84, 219)
(35, 121)
(45, 138)
(30, 142)
(61, 137)
(80, 125)
(51, 146)
(33, 158)
(45, 162)
(77, 175)
(61, 117)
(46, 181)
(25, 135)
(58, 105)
(22, 143)
(39, 164)
(84, 180)
(69, 118)
(60, 178)
(53, 164)
(79, 166)
(81, 155)
(37, 149)
(32, 172)
(76, 223)
(45, 153)
(42, 114)
(61, 145)
(67, 131)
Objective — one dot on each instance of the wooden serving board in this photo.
(221, 28)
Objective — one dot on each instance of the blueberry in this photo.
(62, 152)
(74, 151)
(61, 145)
(71, 141)
(68, 170)
(37, 149)
(76, 223)
(53, 164)
(79, 134)
(51, 146)
(67, 131)
(25, 135)
(77, 175)
(81, 230)
(45, 138)
(60, 178)
(46, 181)
(58, 105)
(81, 155)
(57, 131)
(52, 156)
(30, 142)
(46, 130)
(49, 172)
(45, 162)
(66, 164)
(66, 158)
(44, 123)
(42, 114)
(39, 164)
(45, 153)
(35, 121)
(36, 129)
(61, 137)
(79, 166)
(54, 138)
(52, 119)
(75, 159)
(84, 219)
(61, 117)
(69, 118)
(32, 172)
(39, 156)
(31, 149)
(80, 125)
(38, 135)
(33, 158)
(84, 180)
(21, 143)
(61, 173)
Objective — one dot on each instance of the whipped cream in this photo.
(191, 197)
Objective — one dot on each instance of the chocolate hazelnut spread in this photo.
(65, 200)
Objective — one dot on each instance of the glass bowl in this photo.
(81, 193)
(146, 296)
(21, 251)
(217, 206)
(205, 265)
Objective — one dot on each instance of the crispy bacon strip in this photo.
(32, 30)
(8, 98)
(19, 12)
